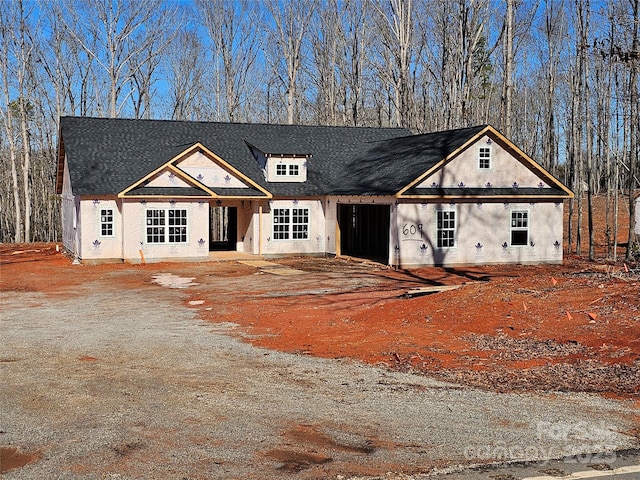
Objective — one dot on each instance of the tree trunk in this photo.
(634, 129)
(507, 89)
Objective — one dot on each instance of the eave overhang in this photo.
(484, 194)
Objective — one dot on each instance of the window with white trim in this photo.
(519, 228)
(484, 158)
(290, 223)
(281, 169)
(294, 170)
(300, 223)
(166, 225)
(446, 228)
(106, 222)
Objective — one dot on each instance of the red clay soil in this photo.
(570, 327)
(574, 327)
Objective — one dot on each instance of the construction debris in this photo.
(417, 292)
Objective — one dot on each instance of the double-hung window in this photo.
(484, 158)
(106, 222)
(290, 223)
(446, 228)
(166, 225)
(519, 227)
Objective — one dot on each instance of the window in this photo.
(484, 158)
(106, 222)
(177, 226)
(446, 228)
(167, 226)
(281, 223)
(519, 227)
(290, 223)
(284, 169)
(300, 224)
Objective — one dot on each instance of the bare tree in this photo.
(185, 73)
(509, 53)
(7, 62)
(121, 37)
(291, 20)
(232, 29)
(634, 126)
(327, 40)
(457, 57)
(17, 68)
(399, 49)
(554, 31)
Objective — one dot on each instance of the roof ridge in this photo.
(204, 122)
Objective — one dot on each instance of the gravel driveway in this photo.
(108, 381)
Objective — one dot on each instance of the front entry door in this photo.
(223, 222)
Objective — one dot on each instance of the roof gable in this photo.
(512, 173)
(195, 168)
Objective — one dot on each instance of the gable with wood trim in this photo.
(144, 190)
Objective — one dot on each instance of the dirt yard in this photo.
(106, 376)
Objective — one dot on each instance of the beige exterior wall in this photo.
(93, 245)
(482, 230)
(313, 244)
(134, 227)
(273, 162)
(330, 206)
(504, 172)
(200, 167)
(637, 227)
(69, 218)
(167, 178)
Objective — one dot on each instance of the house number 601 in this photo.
(411, 229)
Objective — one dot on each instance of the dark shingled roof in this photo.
(388, 166)
(108, 155)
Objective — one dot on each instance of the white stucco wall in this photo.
(134, 226)
(504, 171)
(482, 230)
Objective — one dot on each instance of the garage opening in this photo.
(223, 231)
(364, 231)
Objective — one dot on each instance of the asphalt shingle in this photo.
(108, 155)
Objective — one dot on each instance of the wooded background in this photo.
(558, 77)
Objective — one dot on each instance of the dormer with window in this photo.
(286, 168)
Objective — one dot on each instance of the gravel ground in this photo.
(107, 382)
